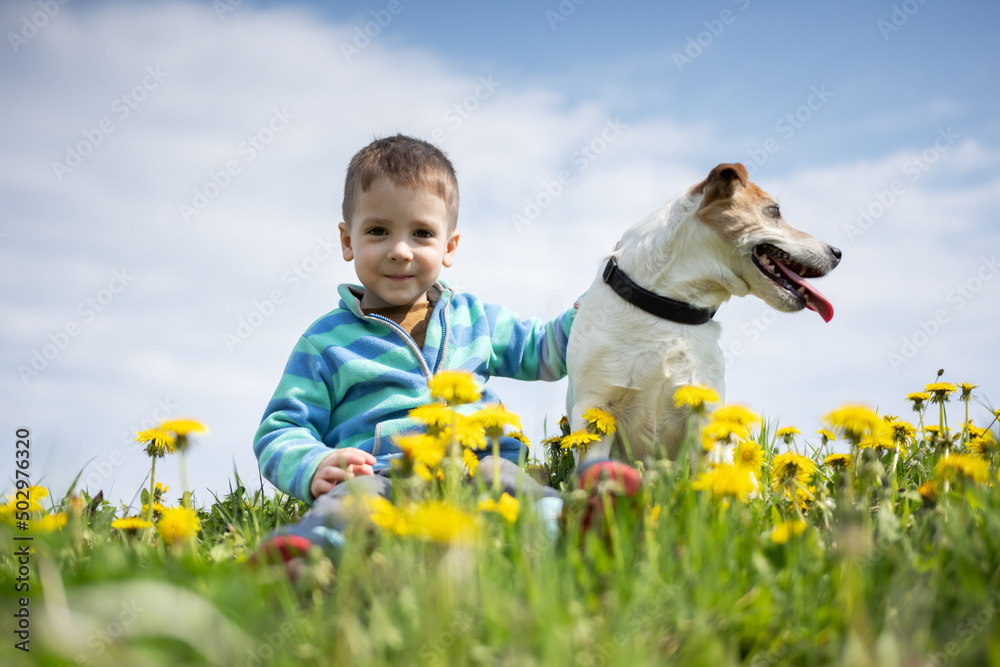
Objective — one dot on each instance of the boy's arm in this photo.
(288, 444)
(528, 349)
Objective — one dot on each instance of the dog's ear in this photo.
(722, 182)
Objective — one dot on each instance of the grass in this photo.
(897, 563)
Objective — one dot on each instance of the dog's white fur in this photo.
(697, 249)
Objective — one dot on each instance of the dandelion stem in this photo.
(496, 462)
(186, 498)
(149, 506)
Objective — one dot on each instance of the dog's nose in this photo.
(836, 252)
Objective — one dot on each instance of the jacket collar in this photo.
(351, 295)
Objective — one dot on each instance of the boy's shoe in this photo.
(607, 482)
(288, 551)
(291, 546)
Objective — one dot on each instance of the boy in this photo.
(358, 370)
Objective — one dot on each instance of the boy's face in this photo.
(399, 240)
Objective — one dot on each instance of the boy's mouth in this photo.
(398, 278)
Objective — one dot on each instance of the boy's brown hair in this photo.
(407, 162)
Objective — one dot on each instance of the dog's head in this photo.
(770, 255)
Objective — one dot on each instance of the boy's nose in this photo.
(400, 251)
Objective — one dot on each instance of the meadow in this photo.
(875, 541)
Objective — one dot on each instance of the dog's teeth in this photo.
(802, 291)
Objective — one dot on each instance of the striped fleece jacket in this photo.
(352, 378)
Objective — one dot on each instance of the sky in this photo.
(172, 174)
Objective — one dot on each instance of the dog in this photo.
(645, 327)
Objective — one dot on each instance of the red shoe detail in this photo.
(281, 549)
(627, 479)
(622, 473)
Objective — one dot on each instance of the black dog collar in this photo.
(661, 306)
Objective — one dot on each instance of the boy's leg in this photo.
(513, 479)
(325, 522)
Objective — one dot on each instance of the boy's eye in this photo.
(424, 234)
(377, 231)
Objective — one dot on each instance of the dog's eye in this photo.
(773, 211)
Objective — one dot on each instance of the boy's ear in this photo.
(449, 250)
(345, 242)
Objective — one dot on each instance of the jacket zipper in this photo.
(407, 338)
(445, 330)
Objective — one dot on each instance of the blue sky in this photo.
(884, 142)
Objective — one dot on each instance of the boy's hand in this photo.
(341, 464)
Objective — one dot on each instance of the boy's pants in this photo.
(326, 521)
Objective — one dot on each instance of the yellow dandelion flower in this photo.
(471, 461)
(725, 480)
(802, 495)
(856, 421)
(384, 514)
(940, 391)
(694, 397)
(183, 426)
(982, 446)
(721, 431)
(421, 448)
(494, 418)
(178, 524)
(882, 439)
(158, 442)
(440, 522)
(157, 509)
(507, 507)
(787, 529)
(739, 414)
(131, 524)
(555, 441)
(466, 432)
(933, 429)
(929, 491)
(838, 461)
(789, 467)
(918, 398)
(50, 522)
(7, 511)
(974, 431)
(454, 387)
(748, 454)
(826, 436)
(435, 416)
(967, 388)
(962, 466)
(34, 494)
(579, 440)
(520, 437)
(423, 472)
(787, 434)
(901, 432)
(601, 422)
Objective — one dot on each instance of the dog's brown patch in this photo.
(732, 204)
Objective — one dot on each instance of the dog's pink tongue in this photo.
(814, 300)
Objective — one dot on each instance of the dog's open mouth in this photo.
(790, 274)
